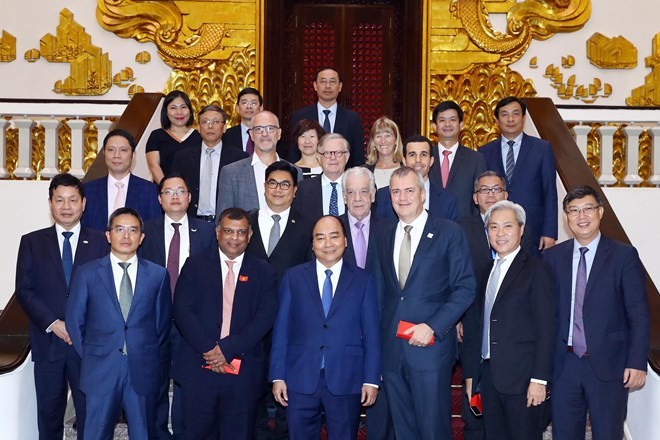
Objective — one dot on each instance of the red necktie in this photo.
(444, 169)
(173, 257)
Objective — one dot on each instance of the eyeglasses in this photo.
(586, 210)
(273, 184)
(325, 82)
(121, 230)
(329, 154)
(245, 103)
(267, 128)
(484, 190)
(212, 123)
(171, 192)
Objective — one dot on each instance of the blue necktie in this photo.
(326, 122)
(67, 257)
(326, 295)
(334, 203)
(510, 163)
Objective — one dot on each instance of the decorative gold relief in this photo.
(7, 47)
(477, 92)
(11, 149)
(587, 93)
(32, 55)
(649, 93)
(133, 89)
(533, 63)
(91, 69)
(461, 35)
(123, 78)
(143, 57)
(611, 53)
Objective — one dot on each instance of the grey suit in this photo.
(237, 188)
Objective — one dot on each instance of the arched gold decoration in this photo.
(648, 94)
(7, 47)
(611, 53)
(32, 55)
(142, 57)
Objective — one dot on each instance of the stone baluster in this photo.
(51, 162)
(632, 133)
(77, 146)
(580, 133)
(606, 154)
(103, 127)
(655, 154)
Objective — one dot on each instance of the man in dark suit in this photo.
(324, 195)
(202, 172)
(241, 183)
(325, 355)
(120, 188)
(119, 316)
(602, 340)
(509, 345)
(46, 261)
(529, 167)
(417, 372)
(224, 306)
(455, 167)
(331, 116)
(417, 154)
(248, 103)
(168, 242)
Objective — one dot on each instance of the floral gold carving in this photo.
(611, 53)
(32, 55)
(143, 57)
(7, 47)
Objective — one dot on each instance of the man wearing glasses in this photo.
(248, 104)
(169, 241)
(201, 166)
(241, 183)
(119, 316)
(602, 339)
(325, 196)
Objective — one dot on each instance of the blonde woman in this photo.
(384, 151)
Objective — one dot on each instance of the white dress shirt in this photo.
(451, 157)
(516, 148)
(415, 237)
(259, 170)
(266, 223)
(326, 192)
(73, 240)
(244, 135)
(118, 272)
(184, 238)
(332, 116)
(238, 262)
(427, 188)
(112, 191)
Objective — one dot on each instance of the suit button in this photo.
(402, 298)
(322, 347)
(325, 325)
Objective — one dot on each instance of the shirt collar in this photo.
(217, 147)
(336, 268)
(325, 180)
(593, 245)
(453, 149)
(114, 259)
(517, 140)
(237, 260)
(509, 257)
(418, 223)
(332, 108)
(256, 159)
(352, 220)
(183, 221)
(124, 180)
(76, 229)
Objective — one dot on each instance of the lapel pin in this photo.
(293, 220)
(85, 242)
(193, 230)
(243, 278)
(430, 235)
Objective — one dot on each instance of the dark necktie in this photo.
(125, 291)
(510, 163)
(334, 204)
(360, 246)
(579, 339)
(326, 122)
(326, 295)
(173, 257)
(491, 293)
(67, 256)
(274, 236)
(404, 256)
(249, 146)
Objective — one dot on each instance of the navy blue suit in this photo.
(347, 339)
(42, 291)
(222, 404)
(439, 288)
(533, 185)
(347, 124)
(616, 326)
(142, 196)
(109, 377)
(442, 203)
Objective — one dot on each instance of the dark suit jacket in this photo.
(201, 235)
(436, 297)
(198, 316)
(142, 196)
(533, 185)
(233, 137)
(442, 203)
(347, 339)
(347, 123)
(186, 162)
(522, 327)
(467, 166)
(41, 287)
(309, 199)
(615, 311)
(98, 331)
(293, 248)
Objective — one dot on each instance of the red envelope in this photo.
(405, 325)
(236, 363)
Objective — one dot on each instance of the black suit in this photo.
(442, 203)
(522, 328)
(347, 124)
(309, 198)
(466, 167)
(187, 162)
(42, 291)
(233, 137)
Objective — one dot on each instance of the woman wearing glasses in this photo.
(384, 151)
(307, 135)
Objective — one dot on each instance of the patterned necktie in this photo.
(404, 256)
(205, 184)
(249, 146)
(274, 234)
(119, 198)
(491, 293)
(326, 295)
(510, 163)
(173, 257)
(228, 291)
(579, 338)
(326, 122)
(334, 203)
(444, 169)
(360, 246)
(125, 291)
(67, 257)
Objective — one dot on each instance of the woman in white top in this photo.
(384, 151)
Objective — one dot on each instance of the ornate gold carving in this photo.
(123, 78)
(587, 93)
(477, 92)
(32, 55)
(649, 93)
(461, 35)
(611, 53)
(143, 57)
(91, 69)
(11, 149)
(133, 89)
(7, 47)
